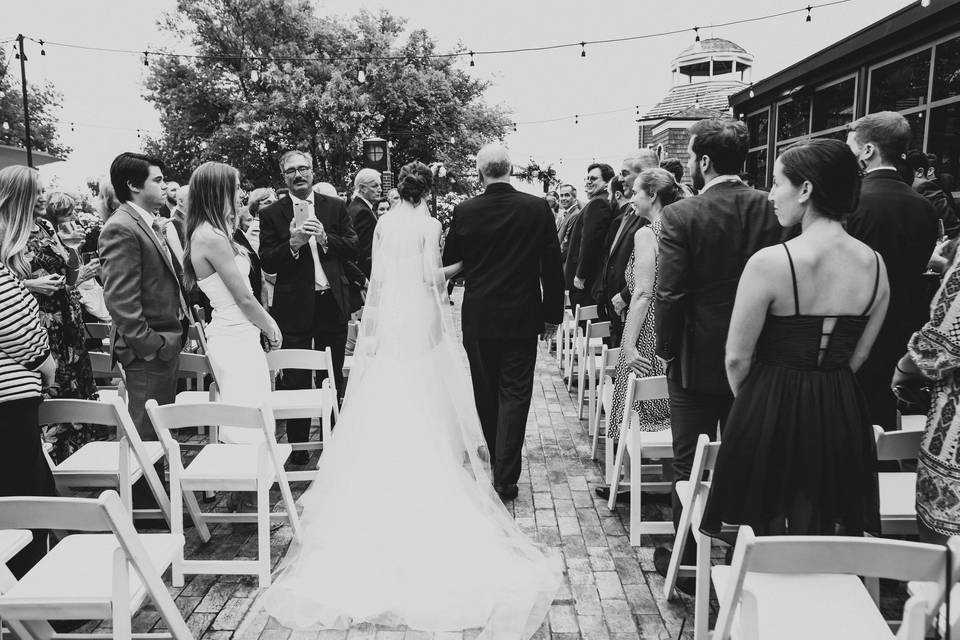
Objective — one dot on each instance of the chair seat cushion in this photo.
(805, 606)
(104, 457)
(220, 462)
(12, 541)
(78, 572)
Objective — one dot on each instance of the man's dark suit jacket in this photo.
(588, 231)
(704, 245)
(620, 248)
(141, 287)
(902, 226)
(256, 275)
(507, 241)
(364, 222)
(293, 294)
(945, 208)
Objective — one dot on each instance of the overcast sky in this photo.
(102, 92)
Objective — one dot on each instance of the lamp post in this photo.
(26, 106)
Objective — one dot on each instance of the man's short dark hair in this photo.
(724, 141)
(131, 169)
(567, 185)
(674, 166)
(888, 131)
(606, 171)
(917, 159)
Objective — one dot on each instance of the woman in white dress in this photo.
(402, 525)
(220, 268)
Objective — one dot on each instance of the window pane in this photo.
(916, 129)
(836, 135)
(757, 126)
(900, 85)
(946, 70)
(793, 118)
(833, 106)
(945, 142)
(756, 167)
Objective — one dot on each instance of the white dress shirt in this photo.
(320, 281)
(718, 180)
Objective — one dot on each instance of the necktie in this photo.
(162, 238)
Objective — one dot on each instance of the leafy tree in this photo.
(250, 93)
(44, 101)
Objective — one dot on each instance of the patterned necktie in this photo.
(162, 238)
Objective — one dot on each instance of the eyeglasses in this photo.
(591, 178)
(292, 171)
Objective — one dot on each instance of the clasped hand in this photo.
(301, 235)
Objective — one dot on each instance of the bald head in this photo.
(493, 162)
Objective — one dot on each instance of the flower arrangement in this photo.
(445, 205)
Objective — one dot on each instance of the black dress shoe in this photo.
(661, 562)
(508, 492)
(300, 458)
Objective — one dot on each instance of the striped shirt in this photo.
(23, 341)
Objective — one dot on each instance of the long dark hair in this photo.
(213, 190)
(831, 168)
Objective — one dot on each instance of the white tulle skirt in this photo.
(400, 528)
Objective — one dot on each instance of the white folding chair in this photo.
(576, 353)
(12, 541)
(606, 373)
(99, 331)
(636, 445)
(564, 331)
(90, 576)
(305, 403)
(587, 380)
(226, 467)
(898, 489)
(913, 422)
(107, 464)
(792, 587)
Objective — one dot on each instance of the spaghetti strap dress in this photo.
(798, 455)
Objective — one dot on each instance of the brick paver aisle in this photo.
(610, 589)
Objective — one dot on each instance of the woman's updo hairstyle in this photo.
(831, 168)
(660, 183)
(414, 181)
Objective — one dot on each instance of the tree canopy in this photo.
(44, 102)
(273, 75)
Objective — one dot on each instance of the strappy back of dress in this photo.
(791, 340)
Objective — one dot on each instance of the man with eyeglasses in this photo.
(306, 239)
(588, 231)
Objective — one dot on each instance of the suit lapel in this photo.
(626, 228)
(164, 255)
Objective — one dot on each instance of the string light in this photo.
(576, 119)
(924, 3)
(361, 74)
(42, 50)
(471, 60)
(6, 126)
(457, 54)
(146, 61)
(254, 76)
(809, 19)
(751, 90)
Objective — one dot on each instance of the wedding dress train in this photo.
(402, 525)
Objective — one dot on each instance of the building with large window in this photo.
(907, 62)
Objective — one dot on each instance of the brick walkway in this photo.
(610, 590)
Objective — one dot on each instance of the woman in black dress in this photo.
(797, 454)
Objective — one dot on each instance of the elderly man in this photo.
(507, 244)
(366, 193)
(569, 208)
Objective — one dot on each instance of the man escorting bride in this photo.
(402, 523)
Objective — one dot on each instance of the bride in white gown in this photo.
(221, 269)
(402, 525)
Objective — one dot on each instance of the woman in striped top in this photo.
(26, 366)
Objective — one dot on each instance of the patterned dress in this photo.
(935, 348)
(654, 414)
(61, 314)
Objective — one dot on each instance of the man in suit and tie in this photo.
(305, 239)
(705, 242)
(588, 232)
(569, 208)
(367, 188)
(142, 288)
(902, 226)
(507, 244)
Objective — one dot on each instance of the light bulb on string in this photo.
(6, 126)
(254, 76)
(576, 119)
(43, 51)
(361, 75)
(696, 31)
(583, 49)
(146, 60)
(471, 60)
(71, 127)
(514, 127)
(924, 3)
(809, 19)
(752, 94)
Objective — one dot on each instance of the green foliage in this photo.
(44, 102)
(246, 109)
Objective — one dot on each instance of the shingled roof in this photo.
(713, 95)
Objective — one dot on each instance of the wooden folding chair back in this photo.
(897, 445)
(587, 384)
(308, 360)
(606, 374)
(106, 464)
(98, 330)
(35, 600)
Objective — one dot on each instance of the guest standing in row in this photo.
(569, 208)
(587, 234)
(26, 364)
(899, 224)
(705, 242)
(366, 186)
(798, 454)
